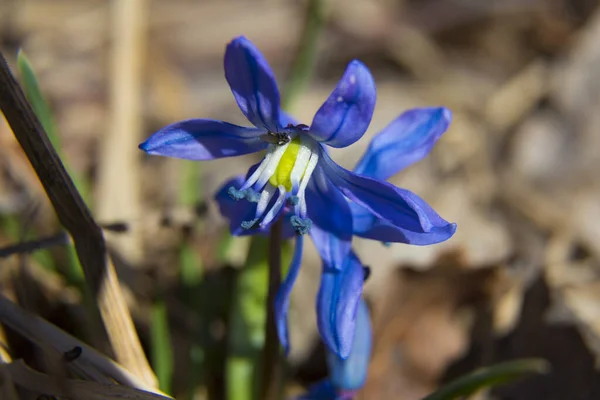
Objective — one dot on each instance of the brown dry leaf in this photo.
(517, 97)
(7, 388)
(421, 324)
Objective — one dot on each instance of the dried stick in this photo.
(76, 389)
(74, 215)
(118, 185)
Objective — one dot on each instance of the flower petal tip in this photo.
(452, 229)
(144, 146)
(347, 112)
(355, 63)
(150, 147)
(447, 114)
(240, 40)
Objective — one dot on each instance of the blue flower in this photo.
(406, 140)
(346, 376)
(298, 181)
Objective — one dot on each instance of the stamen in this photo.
(276, 207)
(302, 225)
(293, 200)
(235, 193)
(310, 167)
(263, 165)
(271, 166)
(252, 195)
(265, 197)
(302, 159)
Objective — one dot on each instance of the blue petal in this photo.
(331, 218)
(347, 113)
(337, 302)
(322, 390)
(367, 225)
(282, 301)
(398, 207)
(406, 140)
(203, 139)
(253, 84)
(350, 374)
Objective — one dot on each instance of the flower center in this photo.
(283, 172)
(283, 175)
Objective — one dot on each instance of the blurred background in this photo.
(517, 171)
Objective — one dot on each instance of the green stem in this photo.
(305, 60)
(271, 360)
(191, 272)
(162, 355)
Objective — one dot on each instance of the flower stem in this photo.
(271, 360)
(305, 60)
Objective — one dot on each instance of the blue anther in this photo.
(294, 200)
(252, 195)
(302, 225)
(235, 193)
(386, 244)
(249, 224)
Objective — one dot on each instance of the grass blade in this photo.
(42, 110)
(38, 102)
(162, 355)
(247, 321)
(490, 377)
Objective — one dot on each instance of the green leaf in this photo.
(191, 272)
(190, 189)
(44, 113)
(36, 99)
(247, 320)
(490, 377)
(162, 355)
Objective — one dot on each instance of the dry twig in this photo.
(118, 188)
(78, 221)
